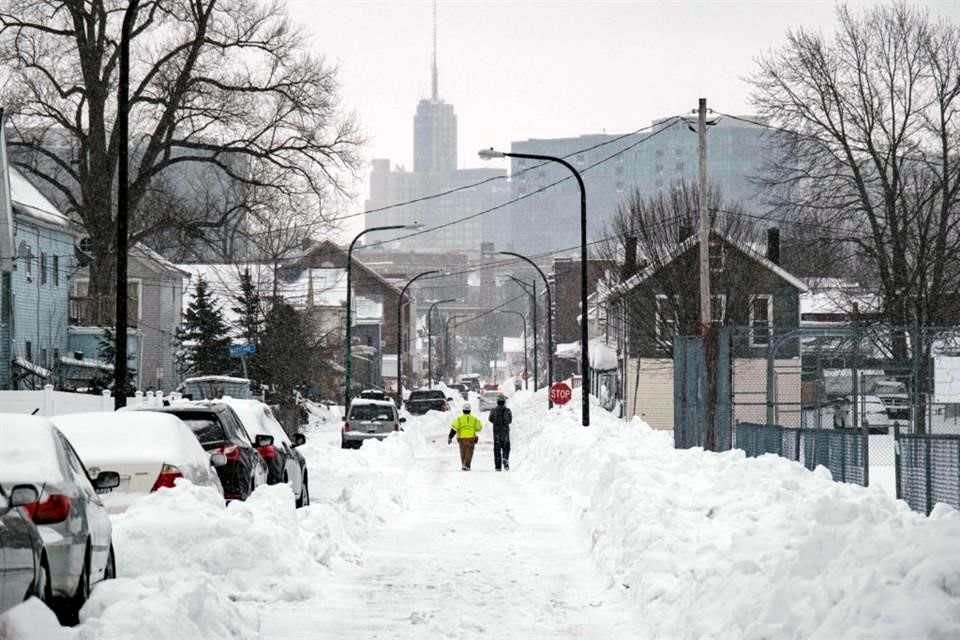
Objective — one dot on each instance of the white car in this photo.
(149, 450)
(69, 513)
(488, 400)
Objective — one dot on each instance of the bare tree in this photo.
(874, 163)
(224, 84)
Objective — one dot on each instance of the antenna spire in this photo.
(434, 76)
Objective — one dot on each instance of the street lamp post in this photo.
(533, 324)
(400, 332)
(488, 154)
(526, 374)
(430, 340)
(348, 357)
(546, 284)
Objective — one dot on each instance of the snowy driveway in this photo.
(478, 554)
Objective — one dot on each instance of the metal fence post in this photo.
(798, 434)
(843, 458)
(896, 460)
(928, 478)
(770, 389)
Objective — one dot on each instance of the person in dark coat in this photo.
(501, 417)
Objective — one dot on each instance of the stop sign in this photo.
(560, 393)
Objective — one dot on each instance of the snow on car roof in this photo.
(258, 418)
(102, 438)
(382, 403)
(28, 450)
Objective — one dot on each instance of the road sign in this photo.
(241, 350)
(560, 393)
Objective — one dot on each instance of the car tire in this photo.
(304, 499)
(110, 570)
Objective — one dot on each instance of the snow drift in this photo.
(721, 546)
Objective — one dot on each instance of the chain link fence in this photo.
(836, 394)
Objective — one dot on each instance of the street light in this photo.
(546, 284)
(400, 332)
(526, 374)
(430, 339)
(489, 154)
(533, 324)
(348, 357)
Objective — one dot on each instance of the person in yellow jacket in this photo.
(465, 427)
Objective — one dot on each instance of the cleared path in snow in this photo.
(478, 554)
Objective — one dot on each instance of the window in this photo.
(717, 255)
(43, 268)
(43, 358)
(761, 320)
(56, 271)
(25, 253)
(718, 308)
(29, 350)
(666, 320)
(56, 356)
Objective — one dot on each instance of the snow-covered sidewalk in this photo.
(478, 554)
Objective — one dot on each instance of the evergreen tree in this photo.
(204, 337)
(103, 379)
(248, 309)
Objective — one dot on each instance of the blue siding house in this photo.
(34, 296)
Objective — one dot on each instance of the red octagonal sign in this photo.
(560, 393)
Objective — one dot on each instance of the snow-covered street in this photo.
(476, 554)
(606, 532)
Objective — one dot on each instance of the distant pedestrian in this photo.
(501, 417)
(466, 427)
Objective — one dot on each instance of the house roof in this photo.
(329, 244)
(27, 200)
(641, 276)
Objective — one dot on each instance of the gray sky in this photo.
(524, 69)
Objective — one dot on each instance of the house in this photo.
(566, 305)
(155, 299)
(374, 316)
(756, 298)
(34, 294)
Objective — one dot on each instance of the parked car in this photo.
(374, 394)
(219, 430)
(472, 380)
(24, 571)
(149, 450)
(488, 400)
(369, 419)
(423, 400)
(68, 511)
(284, 462)
(491, 386)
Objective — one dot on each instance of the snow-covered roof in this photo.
(355, 402)
(29, 451)
(693, 241)
(35, 369)
(602, 356)
(28, 199)
(86, 363)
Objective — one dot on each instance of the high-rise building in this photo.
(435, 170)
(736, 152)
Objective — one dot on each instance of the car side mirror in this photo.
(262, 440)
(449, 399)
(298, 439)
(217, 459)
(24, 494)
(107, 480)
(403, 420)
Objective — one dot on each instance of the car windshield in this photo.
(205, 426)
(374, 412)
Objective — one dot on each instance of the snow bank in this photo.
(721, 546)
(190, 566)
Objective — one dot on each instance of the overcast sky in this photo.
(525, 69)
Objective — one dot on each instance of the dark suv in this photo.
(219, 429)
(423, 400)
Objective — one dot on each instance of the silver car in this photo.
(488, 400)
(369, 419)
(69, 514)
(23, 566)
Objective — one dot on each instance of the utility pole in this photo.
(708, 429)
(123, 131)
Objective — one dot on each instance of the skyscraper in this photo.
(434, 126)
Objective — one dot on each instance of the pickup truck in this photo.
(423, 400)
